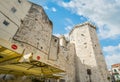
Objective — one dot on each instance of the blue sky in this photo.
(103, 13)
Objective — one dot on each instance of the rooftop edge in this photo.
(80, 25)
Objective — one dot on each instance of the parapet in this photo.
(80, 25)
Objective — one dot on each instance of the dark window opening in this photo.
(13, 9)
(21, 21)
(89, 71)
(41, 47)
(117, 76)
(115, 70)
(19, 1)
(5, 23)
(95, 45)
(36, 19)
(82, 35)
(55, 40)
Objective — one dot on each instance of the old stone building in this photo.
(88, 52)
(29, 50)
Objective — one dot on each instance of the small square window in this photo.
(19, 1)
(82, 35)
(5, 22)
(13, 9)
(55, 40)
(115, 70)
(89, 71)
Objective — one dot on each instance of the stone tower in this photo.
(90, 63)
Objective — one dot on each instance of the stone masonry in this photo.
(80, 58)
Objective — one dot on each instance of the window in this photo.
(36, 19)
(19, 1)
(6, 23)
(55, 40)
(89, 71)
(115, 70)
(13, 9)
(41, 47)
(95, 45)
(117, 76)
(21, 21)
(82, 35)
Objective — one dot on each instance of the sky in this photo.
(104, 14)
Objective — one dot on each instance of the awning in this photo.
(8, 56)
(9, 64)
(33, 68)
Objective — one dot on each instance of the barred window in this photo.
(6, 23)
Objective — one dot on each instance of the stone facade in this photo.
(88, 54)
(80, 59)
(35, 30)
(11, 16)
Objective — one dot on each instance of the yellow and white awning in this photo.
(9, 64)
(37, 69)
(7, 55)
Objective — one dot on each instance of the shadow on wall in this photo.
(77, 63)
(85, 73)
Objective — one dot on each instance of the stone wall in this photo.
(89, 56)
(36, 29)
(81, 58)
(99, 55)
(67, 54)
(11, 16)
(15, 11)
(54, 49)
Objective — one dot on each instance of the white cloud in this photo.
(112, 49)
(69, 21)
(103, 12)
(68, 28)
(112, 59)
(53, 9)
(57, 34)
(69, 24)
(112, 54)
(45, 7)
